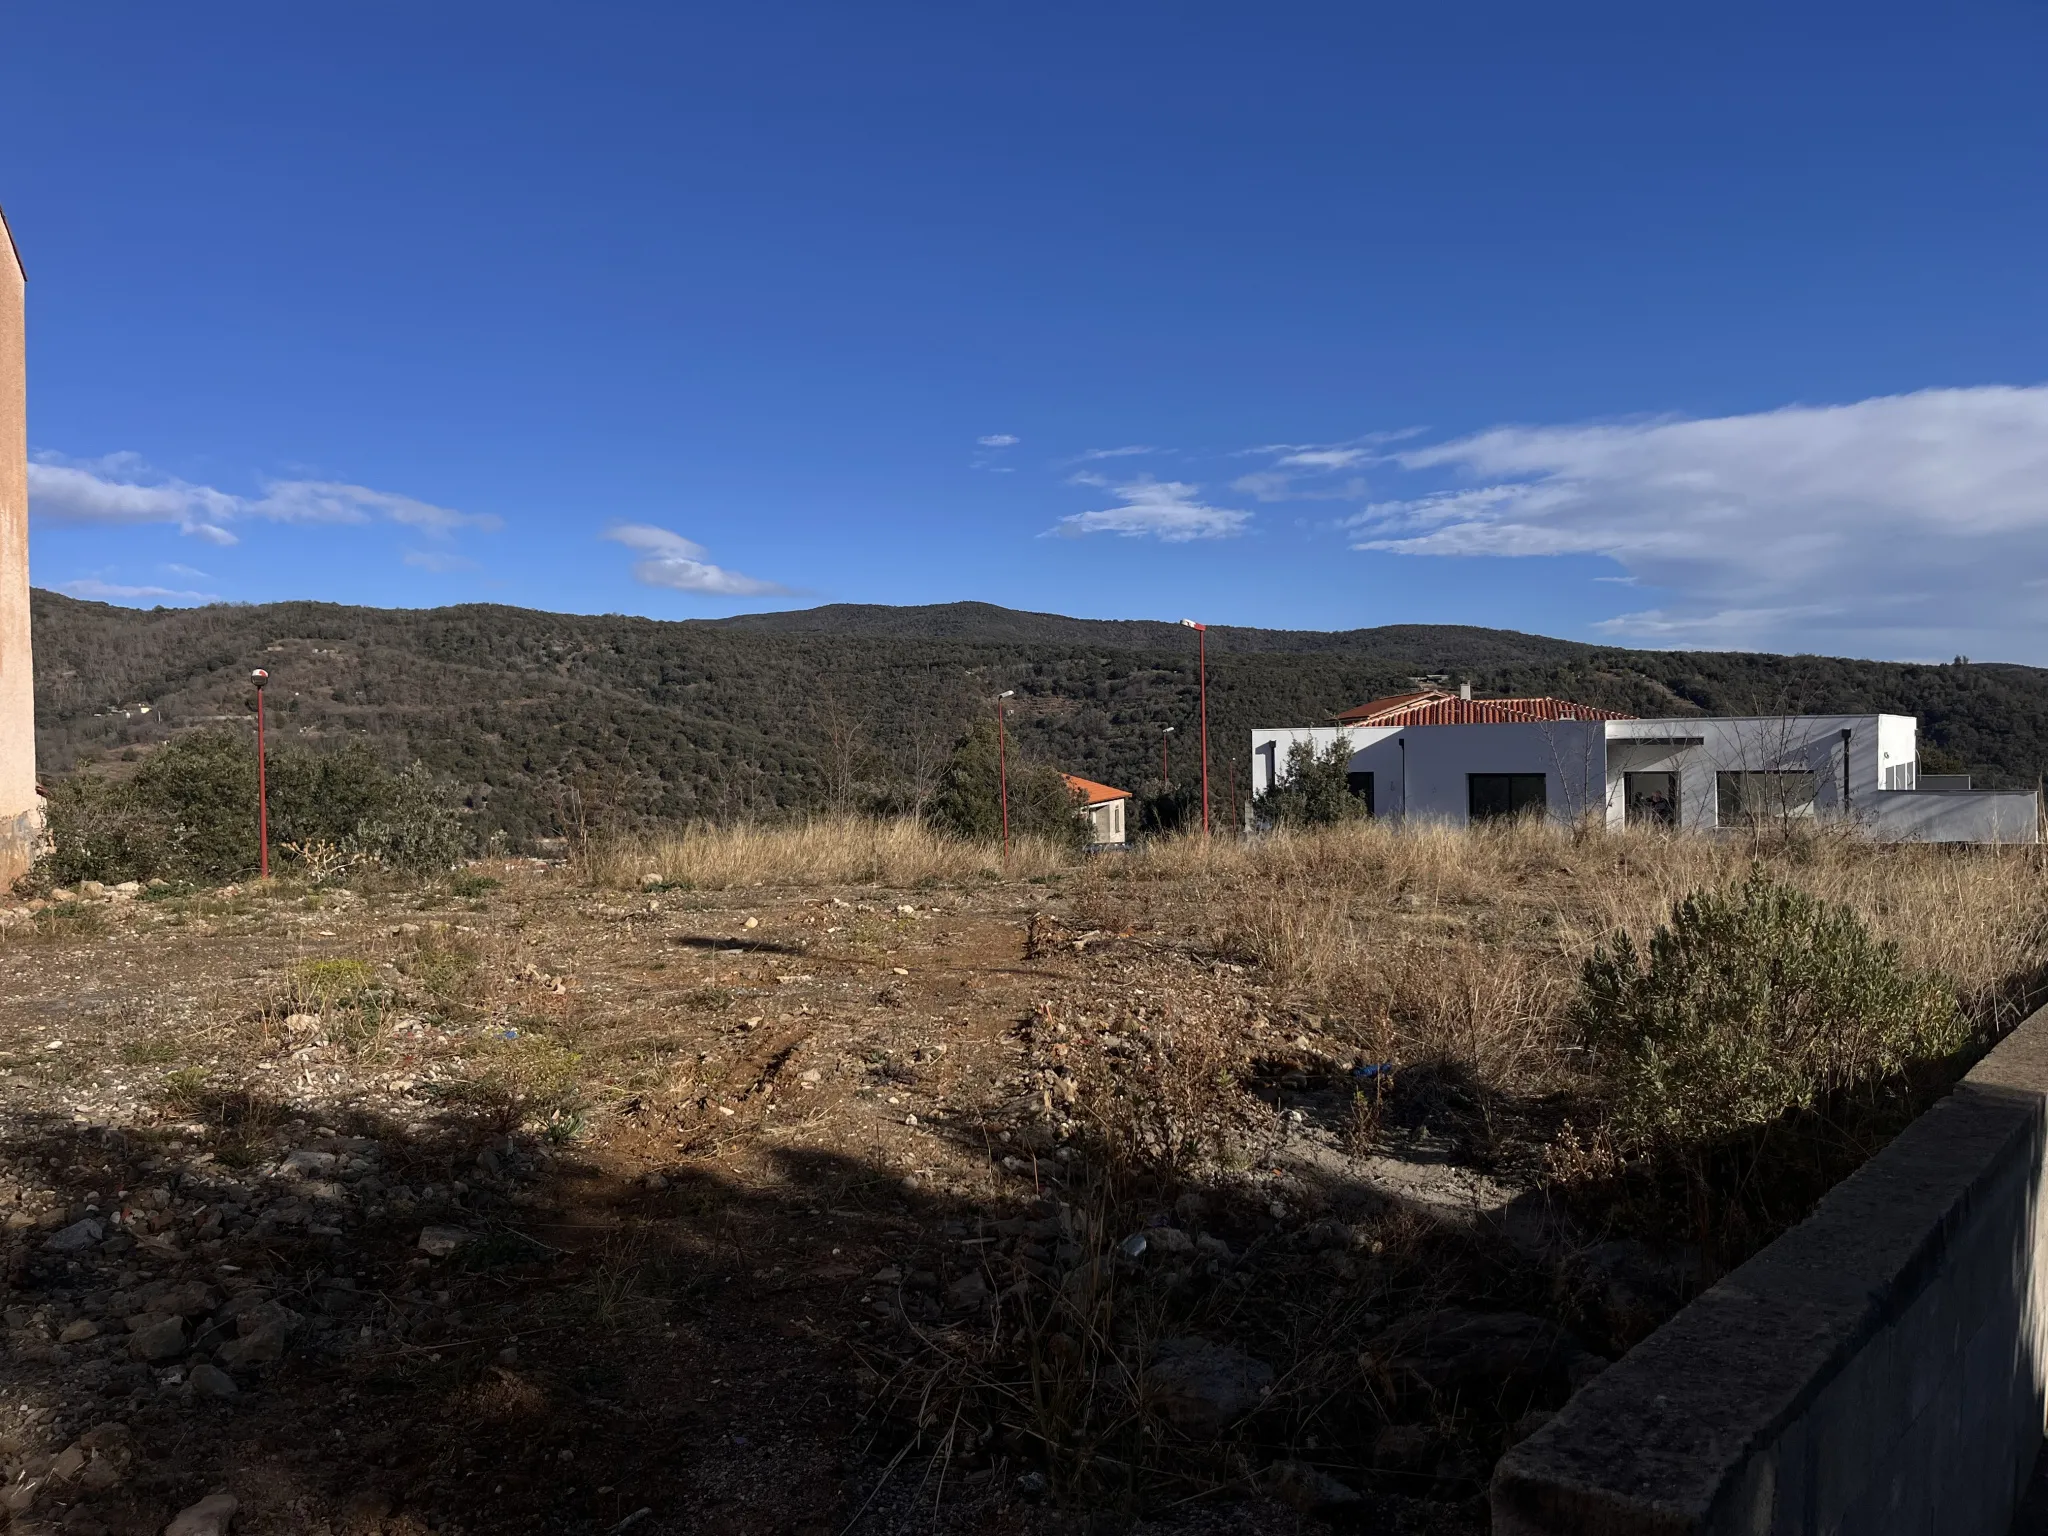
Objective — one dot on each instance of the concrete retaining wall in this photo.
(1955, 816)
(1877, 1370)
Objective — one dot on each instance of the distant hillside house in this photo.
(1450, 758)
(1103, 808)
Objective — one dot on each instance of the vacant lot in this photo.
(832, 1180)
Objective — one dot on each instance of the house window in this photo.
(1494, 795)
(1651, 798)
(1360, 785)
(1751, 799)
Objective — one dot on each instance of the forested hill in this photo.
(550, 715)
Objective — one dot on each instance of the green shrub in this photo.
(324, 797)
(1752, 1002)
(1316, 789)
(969, 802)
(419, 828)
(189, 814)
(100, 830)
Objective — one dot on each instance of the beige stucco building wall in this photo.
(21, 809)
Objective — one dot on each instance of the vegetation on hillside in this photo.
(188, 814)
(555, 722)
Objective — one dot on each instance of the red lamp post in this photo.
(262, 789)
(1003, 770)
(1202, 651)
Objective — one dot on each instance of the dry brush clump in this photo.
(826, 850)
(1441, 941)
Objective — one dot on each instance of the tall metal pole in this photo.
(1202, 652)
(1202, 648)
(1165, 777)
(262, 787)
(1003, 771)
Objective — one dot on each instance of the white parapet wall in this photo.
(1965, 816)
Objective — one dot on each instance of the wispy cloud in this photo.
(122, 490)
(439, 561)
(675, 562)
(115, 592)
(994, 455)
(330, 501)
(1905, 523)
(1311, 471)
(1130, 450)
(1167, 510)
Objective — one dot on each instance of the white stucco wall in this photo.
(1108, 822)
(1698, 750)
(1420, 772)
(1967, 816)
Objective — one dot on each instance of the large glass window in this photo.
(1652, 799)
(1751, 799)
(1493, 795)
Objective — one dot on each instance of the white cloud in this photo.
(999, 440)
(68, 493)
(1276, 485)
(114, 592)
(328, 501)
(1308, 471)
(1125, 452)
(121, 490)
(436, 560)
(1904, 524)
(674, 561)
(1163, 509)
(1322, 458)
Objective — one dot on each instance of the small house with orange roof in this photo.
(1105, 809)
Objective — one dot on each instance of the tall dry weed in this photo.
(1465, 946)
(825, 850)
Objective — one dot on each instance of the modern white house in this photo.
(1451, 758)
(1105, 809)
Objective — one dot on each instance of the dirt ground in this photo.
(519, 1206)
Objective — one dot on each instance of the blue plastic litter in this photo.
(508, 1034)
(1372, 1070)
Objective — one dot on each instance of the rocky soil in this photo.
(513, 1206)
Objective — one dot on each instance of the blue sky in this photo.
(1719, 326)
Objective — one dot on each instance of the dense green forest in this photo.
(553, 720)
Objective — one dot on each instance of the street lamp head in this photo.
(1166, 730)
(260, 676)
(1191, 624)
(1007, 693)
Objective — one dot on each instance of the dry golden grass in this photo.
(820, 851)
(1465, 946)
(1426, 944)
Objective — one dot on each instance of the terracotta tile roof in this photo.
(1436, 707)
(1097, 794)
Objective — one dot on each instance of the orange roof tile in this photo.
(1436, 707)
(1097, 794)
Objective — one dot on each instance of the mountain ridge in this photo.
(549, 717)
